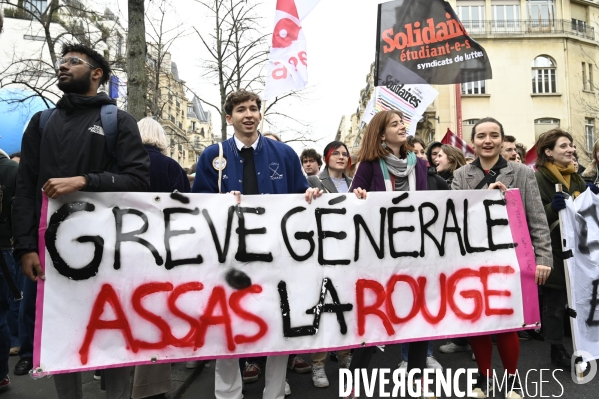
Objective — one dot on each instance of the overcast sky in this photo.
(341, 37)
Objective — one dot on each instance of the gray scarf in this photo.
(401, 170)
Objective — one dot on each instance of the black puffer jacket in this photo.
(436, 182)
(8, 178)
(73, 145)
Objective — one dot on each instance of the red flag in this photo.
(452, 139)
(531, 156)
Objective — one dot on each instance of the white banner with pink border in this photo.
(139, 278)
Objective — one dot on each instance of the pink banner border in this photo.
(298, 352)
(526, 257)
(39, 301)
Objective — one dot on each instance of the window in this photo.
(579, 26)
(472, 16)
(119, 45)
(467, 125)
(196, 142)
(36, 5)
(506, 16)
(540, 10)
(578, 13)
(477, 87)
(589, 130)
(543, 75)
(543, 125)
(36, 38)
(193, 126)
(587, 76)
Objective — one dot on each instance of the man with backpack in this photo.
(85, 144)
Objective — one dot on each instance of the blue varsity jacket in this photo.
(278, 169)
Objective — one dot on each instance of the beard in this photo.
(76, 86)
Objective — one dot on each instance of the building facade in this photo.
(187, 125)
(544, 56)
(25, 59)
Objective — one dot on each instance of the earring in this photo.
(384, 144)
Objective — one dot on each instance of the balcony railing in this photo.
(529, 27)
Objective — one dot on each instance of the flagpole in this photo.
(262, 112)
(458, 109)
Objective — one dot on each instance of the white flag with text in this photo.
(288, 63)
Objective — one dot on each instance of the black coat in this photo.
(166, 175)
(436, 182)
(8, 178)
(547, 182)
(73, 145)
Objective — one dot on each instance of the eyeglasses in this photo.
(337, 153)
(72, 61)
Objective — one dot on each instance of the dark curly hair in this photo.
(311, 153)
(238, 97)
(93, 57)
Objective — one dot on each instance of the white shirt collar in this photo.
(240, 145)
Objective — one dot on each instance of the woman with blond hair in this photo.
(166, 175)
(448, 160)
(591, 173)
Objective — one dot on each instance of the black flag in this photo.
(421, 42)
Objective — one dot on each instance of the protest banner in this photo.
(581, 234)
(411, 100)
(288, 58)
(136, 278)
(421, 42)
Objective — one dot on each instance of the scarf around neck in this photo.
(562, 173)
(403, 171)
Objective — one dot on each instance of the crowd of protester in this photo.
(387, 160)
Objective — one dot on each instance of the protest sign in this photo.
(581, 233)
(134, 278)
(411, 100)
(422, 42)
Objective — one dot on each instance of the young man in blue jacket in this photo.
(250, 165)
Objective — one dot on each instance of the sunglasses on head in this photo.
(72, 61)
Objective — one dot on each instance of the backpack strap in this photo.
(108, 117)
(220, 169)
(488, 179)
(45, 117)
